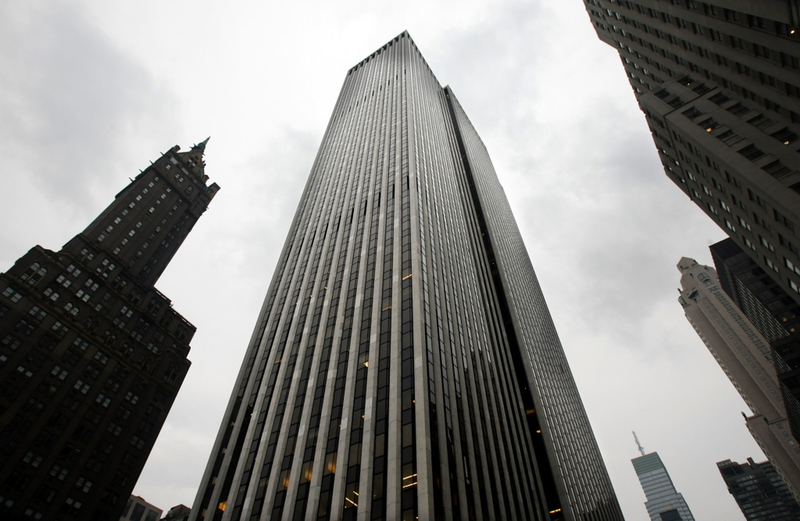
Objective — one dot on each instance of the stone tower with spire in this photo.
(91, 354)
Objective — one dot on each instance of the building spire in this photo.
(635, 437)
(201, 146)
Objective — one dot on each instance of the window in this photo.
(37, 313)
(59, 372)
(719, 98)
(744, 224)
(81, 386)
(59, 472)
(84, 484)
(34, 273)
(751, 152)
(729, 138)
(785, 135)
(782, 219)
(776, 169)
(791, 266)
(766, 244)
(709, 125)
(771, 264)
(738, 110)
(761, 122)
(692, 113)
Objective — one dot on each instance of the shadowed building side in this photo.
(91, 354)
(759, 491)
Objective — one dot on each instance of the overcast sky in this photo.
(90, 92)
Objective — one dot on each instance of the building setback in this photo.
(759, 491)
(404, 364)
(745, 356)
(719, 82)
(91, 354)
(664, 503)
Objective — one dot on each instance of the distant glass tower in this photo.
(664, 503)
(91, 354)
(759, 491)
(404, 364)
(719, 84)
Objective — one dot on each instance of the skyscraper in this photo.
(745, 356)
(774, 313)
(404, 364)
(719, 83)
(759, 491)
(664, 503)
(91, 354)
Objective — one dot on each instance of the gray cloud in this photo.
(71, 100)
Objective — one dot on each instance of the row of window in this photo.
(762, 77)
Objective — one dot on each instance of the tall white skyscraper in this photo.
(744, 354)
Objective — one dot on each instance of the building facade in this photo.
(178, 513)
(137, 509)
(773, 312)
(719, 83)
(759, 491)
(404, 364)
(664, 503)
(91, 354)
(745, 356)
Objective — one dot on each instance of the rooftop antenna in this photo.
(638, 444)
